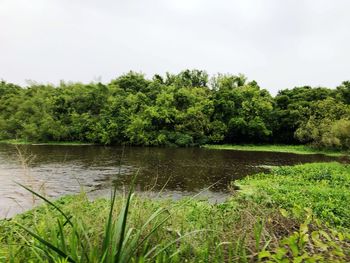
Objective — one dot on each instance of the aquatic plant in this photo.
(323, 187)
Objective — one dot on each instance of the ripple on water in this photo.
(56, 170)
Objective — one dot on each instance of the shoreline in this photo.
(295, 149)
(278, 148)
(22, 142)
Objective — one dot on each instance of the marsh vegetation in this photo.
(270, 219)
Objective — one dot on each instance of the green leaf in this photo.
(48, 244)
(264, 254)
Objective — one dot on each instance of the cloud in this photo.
(281, 44)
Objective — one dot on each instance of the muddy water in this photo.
(59, 170)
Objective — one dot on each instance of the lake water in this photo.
(165, 172)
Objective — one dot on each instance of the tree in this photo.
(245, 111)
(344, 92)
(182, 109)
(327, 126)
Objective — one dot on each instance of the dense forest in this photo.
(182, 109)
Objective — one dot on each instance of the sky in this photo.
(280, 44)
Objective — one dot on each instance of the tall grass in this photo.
(187, 230)
(121, 243)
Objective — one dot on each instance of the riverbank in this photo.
(294, 213)
(23, 142)
(297, 149)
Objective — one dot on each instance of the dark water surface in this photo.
(59, 170)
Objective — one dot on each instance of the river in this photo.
(57, 170)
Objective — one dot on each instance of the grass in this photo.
(24, 142)
(293, 214)
(197, 231)
(322, 187)
(297, 149)
(14, 141)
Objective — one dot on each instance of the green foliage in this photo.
(293, 107)
(328, 125)
(323, 187)
(184, 109)
(344, 92)
(330, 245)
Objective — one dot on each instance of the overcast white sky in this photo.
(280, 44)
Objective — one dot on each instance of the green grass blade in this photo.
(62, 213)
(123, 220)
(122, 226)
(108, 230)
(48, 244)
(154, 228)
(63, 240)
(136, 244)
(171, 243)
(47, 201)
(258, 228)
(109, 226)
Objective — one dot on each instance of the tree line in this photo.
(184, 109)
